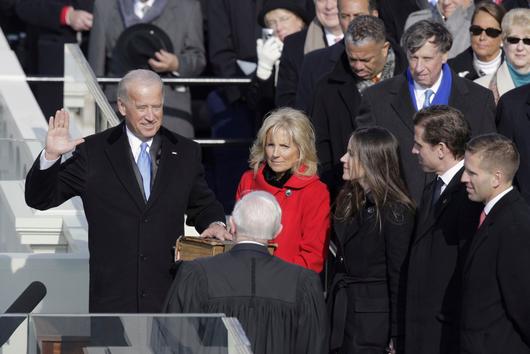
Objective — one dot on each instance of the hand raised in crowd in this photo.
(58, 139)
(268, 53)
(79, 20)
(164, 61)
(215, 230)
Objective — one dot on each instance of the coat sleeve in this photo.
(186, 294)
(364, 117)
(203, 207)
(51, 187)
(192, 56)
(397, 229)
(315, 226)
(287, 77)
(304, 90)
(313, 328)
(41, 13)
(320, 121)
(504, 119)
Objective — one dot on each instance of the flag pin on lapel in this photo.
(174, 153)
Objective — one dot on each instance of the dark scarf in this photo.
(443, 93)
(130, 18)
(273, 180)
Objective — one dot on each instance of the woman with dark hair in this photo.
(373, 221)
(485, 54)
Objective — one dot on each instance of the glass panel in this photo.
(13, 333)
(176, 333)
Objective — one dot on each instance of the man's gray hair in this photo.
(257, 216)
(142, 76)
(425, 31)
(365, 28)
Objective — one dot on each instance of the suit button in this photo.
(143, 258)
(146, 220)
(143, 294)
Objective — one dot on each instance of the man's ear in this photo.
(279, 230)
(232, 225)
(121, 107)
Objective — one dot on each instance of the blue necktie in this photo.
(428, 95)
(144, 165)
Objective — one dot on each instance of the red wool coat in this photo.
(305, 217)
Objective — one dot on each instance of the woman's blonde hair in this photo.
(300, 130)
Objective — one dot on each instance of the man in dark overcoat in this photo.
(136, 181)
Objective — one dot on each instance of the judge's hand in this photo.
(217, 231)
(164, 62)
(79, 20)
(58, 139)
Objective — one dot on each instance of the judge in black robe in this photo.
(280, 305)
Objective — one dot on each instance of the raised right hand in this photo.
(58, 140)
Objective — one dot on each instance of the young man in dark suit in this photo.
(136, 181)
(445, 221)
(280, 305)
(495, 280)
(393, 102)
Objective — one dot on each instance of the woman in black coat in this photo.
(374, 220)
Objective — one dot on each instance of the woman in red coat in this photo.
(283, 162)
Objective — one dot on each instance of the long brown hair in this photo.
(374, 149)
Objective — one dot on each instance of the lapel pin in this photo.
(174, 153)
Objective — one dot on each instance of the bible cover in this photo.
(191, 247)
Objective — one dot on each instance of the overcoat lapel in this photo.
(437, 210)
(484, 230)
(118, 151)
(170, 162)
(350, 96)
(402, 102)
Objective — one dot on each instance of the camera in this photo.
(266, 33)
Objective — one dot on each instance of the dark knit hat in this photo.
(291, 5)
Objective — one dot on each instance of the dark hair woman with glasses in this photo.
(485, 54)
(374, 220)
(515, 71)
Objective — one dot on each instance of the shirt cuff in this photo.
(44, 164)
(63, 16)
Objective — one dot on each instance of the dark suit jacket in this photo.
(371, 268)
(496, 284)
(436, 255)
(280, 305)
(315, 66)
(336, 103)
(513, 121)
(389, 105)
(130, 242)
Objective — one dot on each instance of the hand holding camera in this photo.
(269, 51)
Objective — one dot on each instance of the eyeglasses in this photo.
(276, 22)
(516, 40)
(490, 31)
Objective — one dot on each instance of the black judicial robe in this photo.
(280, 305)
